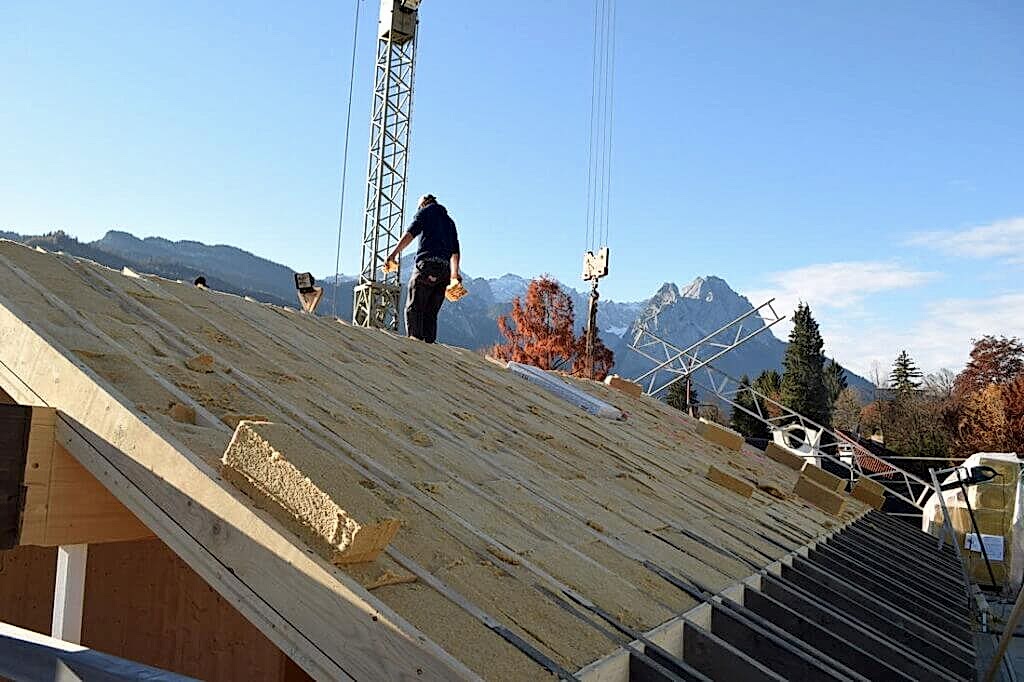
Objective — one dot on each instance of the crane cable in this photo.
(599, 161)
(344, 161)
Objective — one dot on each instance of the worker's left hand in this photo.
(391, 265)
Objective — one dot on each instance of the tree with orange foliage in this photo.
(988, 397)
(994, 360)
(541, 332)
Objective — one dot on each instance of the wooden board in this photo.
(64, 503)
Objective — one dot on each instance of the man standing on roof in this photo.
(437, 266)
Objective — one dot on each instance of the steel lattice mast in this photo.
(376, 298)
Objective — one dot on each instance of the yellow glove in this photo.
(390, 266)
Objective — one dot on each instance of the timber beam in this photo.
(58, 501)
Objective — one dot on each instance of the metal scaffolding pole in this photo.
(376, 297)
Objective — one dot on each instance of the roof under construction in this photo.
(533, 537)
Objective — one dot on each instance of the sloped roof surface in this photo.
(504, 492)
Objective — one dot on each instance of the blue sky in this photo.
(865, 157)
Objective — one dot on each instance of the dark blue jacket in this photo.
(437, 233)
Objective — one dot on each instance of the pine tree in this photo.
(803, 381)
(769, 384)
(835, 380)
(747, 424)
(905, 373)
(676, 396)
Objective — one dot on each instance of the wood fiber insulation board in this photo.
(417, 419)
(543, 614)
(992, 495)
(868, 485)
(305, 488)
(303, 605)
(741, 488)
(785, 457)
(824, 478)
(628, 387)
(716, 433)
(820, 496)
(868, 497)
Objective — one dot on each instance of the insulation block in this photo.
(821, 497)
(990, 521)
(720, 435)
(992, 495)
(867, 496)
(824, 478)
(784, 456)
(305, 488)
(624, 385)
(202, 363)
(729, 481)
(183, 413)
(868, 485)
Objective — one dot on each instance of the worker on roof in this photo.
(437, 266)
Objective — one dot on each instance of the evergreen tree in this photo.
(803, 381)
(769, 384)
(676, 396)
(905, 373)
(835, 380)
(741, 421)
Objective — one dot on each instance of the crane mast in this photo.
(377, 295)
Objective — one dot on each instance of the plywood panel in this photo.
(27, 576)
(144, 603)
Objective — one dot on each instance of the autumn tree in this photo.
(988, 398)
(540, 331)
(982, 425)
(846, 410)
(994, 360)
(905, 374)
(803, 381)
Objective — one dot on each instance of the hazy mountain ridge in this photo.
(684, 315)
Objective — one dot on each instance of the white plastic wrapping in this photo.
(954, 500)
(565, 391)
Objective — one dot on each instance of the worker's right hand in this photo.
(391, 265)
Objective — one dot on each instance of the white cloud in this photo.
(841, 286)
(859, 333)
(939, 339)
(1001, 239)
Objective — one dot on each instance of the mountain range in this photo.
(683, 315)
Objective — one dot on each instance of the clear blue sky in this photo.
(866, 156)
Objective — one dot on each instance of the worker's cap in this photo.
(427, 199)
